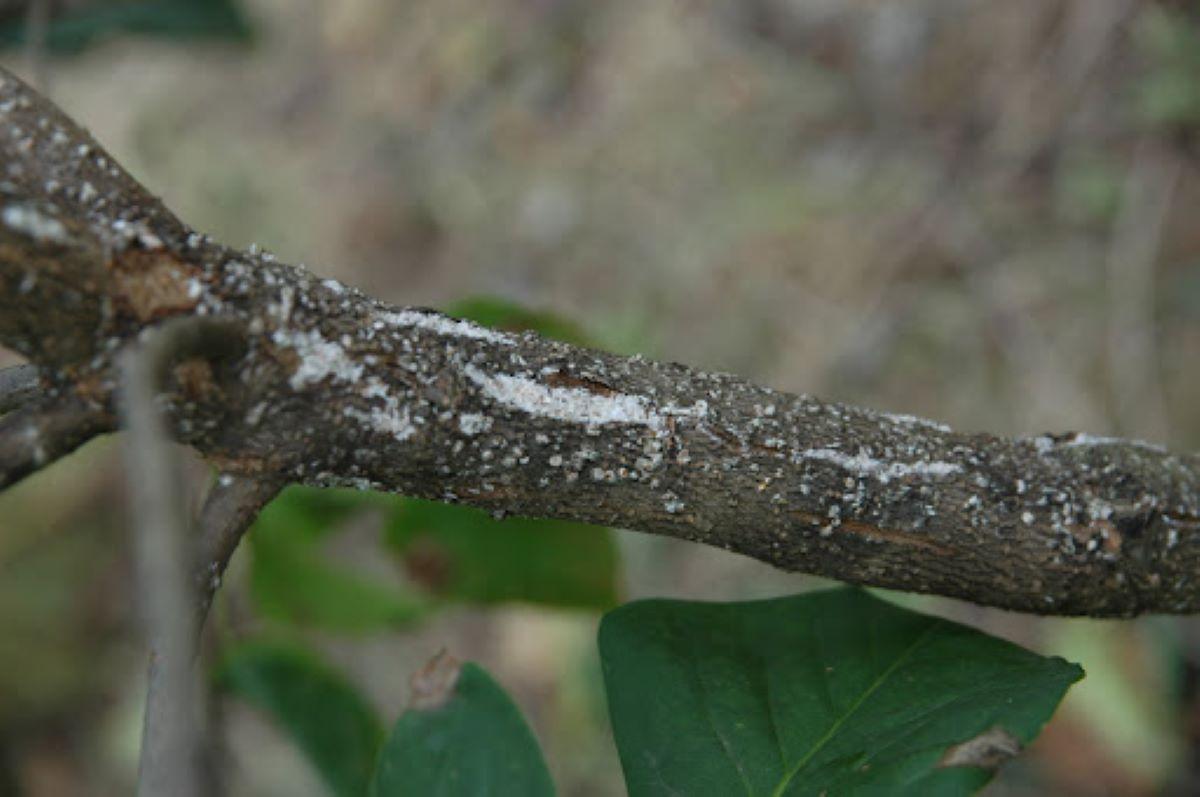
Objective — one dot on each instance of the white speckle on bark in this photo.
(472, 423)
(29, 221)
(862, 463)
(389, 419)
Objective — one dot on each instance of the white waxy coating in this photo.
(575, 405)
(866, 465)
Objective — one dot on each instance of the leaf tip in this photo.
(988, 750)
(433, 684)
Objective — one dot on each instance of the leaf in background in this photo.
(292, 580)
(832, 692)
(463, 554)
(322, 713)
(463, 736)
(75, 28)
(314, 511)
(509, 317)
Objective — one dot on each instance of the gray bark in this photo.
(332, 387)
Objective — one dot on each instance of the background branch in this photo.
(173, 745)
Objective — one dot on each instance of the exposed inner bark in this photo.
(334, 387)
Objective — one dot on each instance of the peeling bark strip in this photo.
(333, 387)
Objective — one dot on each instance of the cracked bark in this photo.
(333, 387)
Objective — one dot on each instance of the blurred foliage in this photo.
(459, 553)
(471, 741)
(322, 713)
(75, 26)
(292, 580)
(832, 692)
(1169, 92)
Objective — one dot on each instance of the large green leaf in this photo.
(463, 554)
(326, 718)
(77, 27)
(471, 741)
(833, 692)
(293, 581)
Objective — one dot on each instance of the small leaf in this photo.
(323, 714)
(833, 692)
(292, 581)
(510, 317)
(78, 26)
(459, 553)
(463, 736)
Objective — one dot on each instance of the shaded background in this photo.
(983, 213)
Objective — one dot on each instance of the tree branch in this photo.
(333, 387)
(41, 433)
(18, 387)
(230, 508)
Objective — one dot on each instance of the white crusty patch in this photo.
(1082, 439)
(576, 405)
(866, 465)
(444, 326)
(900, 419)
(31, 222)
(320, 359)
(389, 419)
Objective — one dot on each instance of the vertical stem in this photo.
(37, 28)
(173, 738)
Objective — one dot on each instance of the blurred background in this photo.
(984, 213)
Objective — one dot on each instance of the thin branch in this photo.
(37, 30)
(334, 387)
(1134, 381)
(173, 743)
(41, 433)
(229, 510)
(18, 387)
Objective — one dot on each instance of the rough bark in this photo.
(333, 387)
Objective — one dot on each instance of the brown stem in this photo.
(229, 510)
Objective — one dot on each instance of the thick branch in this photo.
(336, 388)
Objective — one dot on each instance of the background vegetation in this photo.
(978, 212)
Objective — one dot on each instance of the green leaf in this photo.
(79, 26)
(833, 692)
(324, 715)
(459, 553)
(472, 741)
(510, 317)
(292, 581)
